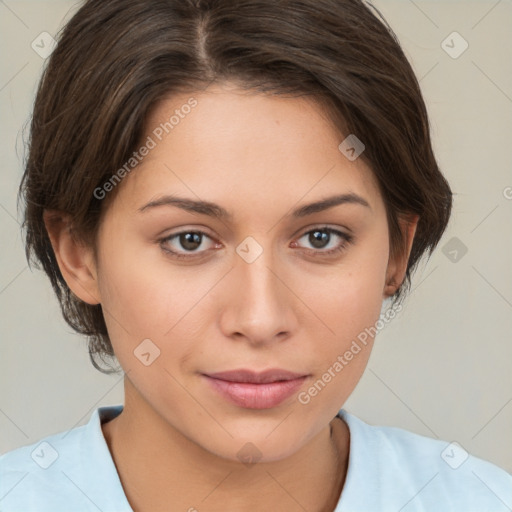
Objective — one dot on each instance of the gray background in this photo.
(442, 368)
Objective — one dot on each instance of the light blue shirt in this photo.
(389, 469)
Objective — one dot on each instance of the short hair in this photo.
(116, 60)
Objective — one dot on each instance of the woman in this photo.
(223, 195)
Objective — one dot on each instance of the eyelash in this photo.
(346, 240)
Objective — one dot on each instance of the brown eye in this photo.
(319, 238)
(326, 241)
(190, 241)
(179, 244)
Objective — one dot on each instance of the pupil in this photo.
(190, 240)
(319, 238)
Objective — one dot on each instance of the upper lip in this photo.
(266, 376)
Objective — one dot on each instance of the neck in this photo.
(164, 467)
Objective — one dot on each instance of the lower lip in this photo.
(256, 396)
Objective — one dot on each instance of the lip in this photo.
(256, 390)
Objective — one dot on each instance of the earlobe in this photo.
(74, 257)
(397, 266)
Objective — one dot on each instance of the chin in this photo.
(263, 446)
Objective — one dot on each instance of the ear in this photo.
(397, 265)
(75, 259)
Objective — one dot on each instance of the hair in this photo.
(116, 60)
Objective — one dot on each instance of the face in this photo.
(256, 283)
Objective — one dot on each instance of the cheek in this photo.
(349, 304)
(144, 296)
(351, 295)
(135, 299)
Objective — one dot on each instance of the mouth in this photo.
(256, 390)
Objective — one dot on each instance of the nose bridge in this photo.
(259, 280)
(262, 309)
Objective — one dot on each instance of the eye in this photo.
(326, 241)
(179, 244)
(192, 243)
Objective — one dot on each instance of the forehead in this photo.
(242, 147)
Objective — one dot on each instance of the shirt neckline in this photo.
(110, 477)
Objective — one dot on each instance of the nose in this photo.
(259, 306)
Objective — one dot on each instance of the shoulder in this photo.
(65, 471)
(38, 473)
(408, 470)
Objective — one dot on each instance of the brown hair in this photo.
(116, 59)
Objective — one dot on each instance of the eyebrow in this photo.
(216, 211)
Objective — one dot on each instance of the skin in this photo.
(259, 157)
